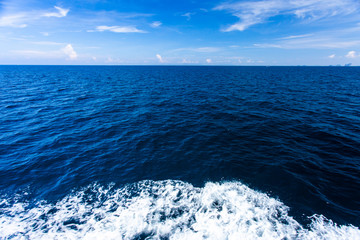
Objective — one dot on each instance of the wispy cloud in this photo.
(206, 49)
(296, 36)
(251, 13)
(156, 24)
(318, 43)
(93, 18)
(186, 61)
(62, 12)
(16, 21)
(117, 29)
(187, 15)
(332, 56)
(127, 15)
(21, 20)
(66, 52)
(159, 57)
(319, 40)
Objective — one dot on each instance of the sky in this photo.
(187, 32)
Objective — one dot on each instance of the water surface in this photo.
(273, 150)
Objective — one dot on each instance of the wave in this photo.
(163, 210)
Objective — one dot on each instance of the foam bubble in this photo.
(163, 210)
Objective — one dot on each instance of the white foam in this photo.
(164, 210)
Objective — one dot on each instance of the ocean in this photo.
(173, 152)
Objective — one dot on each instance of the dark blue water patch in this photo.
(292, 132)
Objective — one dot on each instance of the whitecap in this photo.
(163, 210)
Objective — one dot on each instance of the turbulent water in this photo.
(179, 152)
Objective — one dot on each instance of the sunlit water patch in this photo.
(163, 210)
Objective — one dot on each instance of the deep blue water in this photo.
(86, 137)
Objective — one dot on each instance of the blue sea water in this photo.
(163, 152)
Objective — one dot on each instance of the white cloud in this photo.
(208, 60)
(13, 21)
(321, 40)
(297, 36)
(351, 54)
(188, 15)
(62, 12)
(251, 13)
(185, 61)
(156, 24)
(161, 60)
(69, 51)
(117, 29)
(332, 56)
(21, 20)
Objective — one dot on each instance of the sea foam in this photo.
(163, 210)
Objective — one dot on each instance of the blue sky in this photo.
(163, 32)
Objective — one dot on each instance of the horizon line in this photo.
(175, 65)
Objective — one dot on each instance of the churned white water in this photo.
(163, 210)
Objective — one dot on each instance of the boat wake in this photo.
(163, 210)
